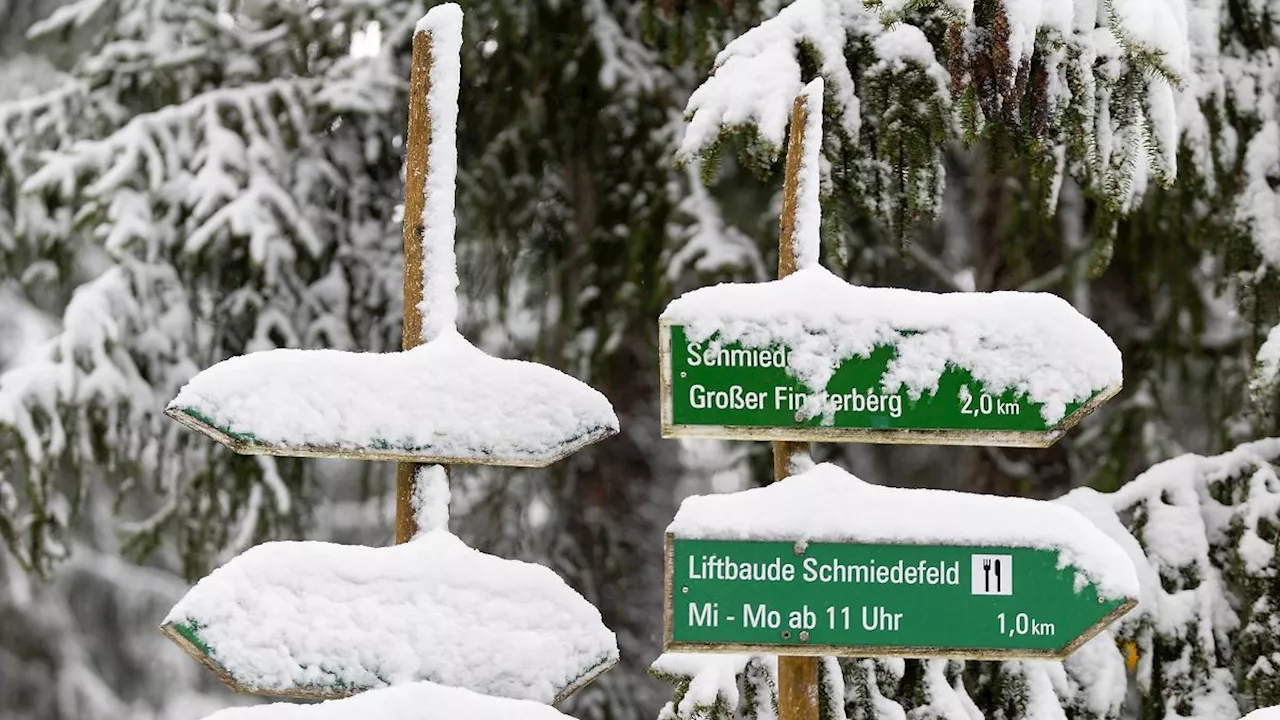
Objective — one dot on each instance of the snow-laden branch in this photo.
(1076, 85)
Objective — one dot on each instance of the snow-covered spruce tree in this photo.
(206, 179)
(1073, 88)
(210, 179)
(229, 166)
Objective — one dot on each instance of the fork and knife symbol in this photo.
(987, 567)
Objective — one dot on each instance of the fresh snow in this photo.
(439, 305)
(757, 75)
(1031, 343)
(1266, 373)
(444, 399)
(806, 242)
(827, 504)
(905, 43)
(430, 500)
(325, 619)
(413, 701)
(712, 678)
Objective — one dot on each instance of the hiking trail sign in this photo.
(716, 390)
(901, 600)
(809, 357)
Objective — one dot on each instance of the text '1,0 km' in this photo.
(854, 599)
(729, 391)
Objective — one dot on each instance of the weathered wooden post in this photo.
(798, 676)
(417, 166)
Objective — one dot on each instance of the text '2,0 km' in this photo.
(855, 599)
(725, 390)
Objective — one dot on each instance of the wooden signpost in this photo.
(715, 385)
(441, 401)
(797, 674)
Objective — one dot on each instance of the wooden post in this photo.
(417, 143)
(797, 676)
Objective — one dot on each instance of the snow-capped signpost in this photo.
(824, 564)
(319, 620)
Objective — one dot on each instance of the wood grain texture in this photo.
(417, 145)
(791, 189)
(797, 676)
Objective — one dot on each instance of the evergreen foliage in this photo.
(207, 179)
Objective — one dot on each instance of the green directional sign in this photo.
(869, 600)
(728, 391)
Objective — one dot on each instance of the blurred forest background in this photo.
(186, 180)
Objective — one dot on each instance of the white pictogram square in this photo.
(992, 575)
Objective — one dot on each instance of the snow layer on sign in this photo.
(1031, 343)
(414, 701)
(827, 504)
(444, 399)
(439, 305)
(313, 616)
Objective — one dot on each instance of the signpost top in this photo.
(443, 402)
(431, 300)
(313, 619)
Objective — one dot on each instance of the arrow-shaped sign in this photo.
(824, 564)
(319, 620)
(811, 357)
(442, 402)
(875, 600)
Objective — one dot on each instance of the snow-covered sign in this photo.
(811, 357)
(443, 401)
(413, 701)
(320, 620)
(823, 563)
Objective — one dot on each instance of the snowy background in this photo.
(186, 180)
